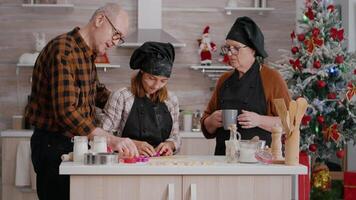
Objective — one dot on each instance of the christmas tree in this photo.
(323, 72)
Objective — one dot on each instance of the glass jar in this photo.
(80, 148)
(99, 144)
(232, 145)
(196, 121)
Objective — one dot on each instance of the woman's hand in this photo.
(213, 122)
(249, 119)
(144, 148)
(165, 148)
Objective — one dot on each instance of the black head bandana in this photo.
(246, 31)
(155, 58)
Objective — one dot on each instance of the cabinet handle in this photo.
(171, 191)
(193, 191)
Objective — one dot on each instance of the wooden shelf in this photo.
(38, 5)
(258, 9)
(98, 65)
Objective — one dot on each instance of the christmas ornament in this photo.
(312, 43)
(333, 71)
(339, 59)
(206, 47)
(317, 64)
(340, 153)
(320, 84)
(292, 35)
(301, 37)
(295, 50)
(315, 32)
(331, 8)
(321, 178)
(306, 119)
(313, 147)
(310, 14)
(331, 95)
(351, 90)
(320, 119)
(296, 64)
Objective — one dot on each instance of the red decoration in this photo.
(312, 43)
(331, 8)
(332, 95)
(354, 71)
(301, 37)
(292, 35)
(320, 119)
(351, 90)
(350, 185)
(306, 119)
(295, 50)
(337, 34)
(206, 47)
(315, 32)
(317, 64)
(296, 64)
(304, 180)
(320, 83)
(340, 153)
(331, 132)
(313, 147)
(339, 59)
(310, 14)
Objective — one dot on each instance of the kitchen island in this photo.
(182, 178)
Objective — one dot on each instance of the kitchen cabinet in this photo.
(217, 180)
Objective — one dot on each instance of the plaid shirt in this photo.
(65, 87)
(118, 108)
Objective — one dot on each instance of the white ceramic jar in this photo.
(80, 148)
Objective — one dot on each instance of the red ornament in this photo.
(317, 64)
(320, 119)
(331, 8)
(354, 71)
(315, 32)
(337, 34)
(331, 95)
(339, 59)
(295, 50)
(340, 153)
(296, 64)
(301, 37)
(310, 14)
(320, 84)
(313, 147)
(306, 119)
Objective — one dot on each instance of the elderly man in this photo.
(65, 91)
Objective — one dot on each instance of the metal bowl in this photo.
(100, 158)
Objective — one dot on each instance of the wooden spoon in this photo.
(302, 106)
(292, 114)
(282, 113)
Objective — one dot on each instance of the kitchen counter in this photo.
(183, 177)
(28, 133)
(182, 165)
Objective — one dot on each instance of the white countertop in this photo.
(185, 165)
(28, 133)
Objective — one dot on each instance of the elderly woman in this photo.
(146, 112)
(250, 88)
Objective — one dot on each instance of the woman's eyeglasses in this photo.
(233, 49)
(116, 32)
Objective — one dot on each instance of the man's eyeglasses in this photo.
(116, 32)
(232, 49)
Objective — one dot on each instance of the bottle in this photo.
(196, 121)
(80, 148)
(232, 145)
(99, 144)
(187, 121)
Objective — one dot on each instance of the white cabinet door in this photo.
(236, 187)
(126, 187)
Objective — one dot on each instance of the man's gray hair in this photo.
(111, 10)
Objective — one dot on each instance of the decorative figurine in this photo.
(206, 47)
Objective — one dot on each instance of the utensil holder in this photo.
(292, 148)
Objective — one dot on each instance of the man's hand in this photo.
(144, 148)
(166, 148)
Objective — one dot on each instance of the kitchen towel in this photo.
(25, 175)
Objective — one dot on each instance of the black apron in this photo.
(148, 121)
(245, 93)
